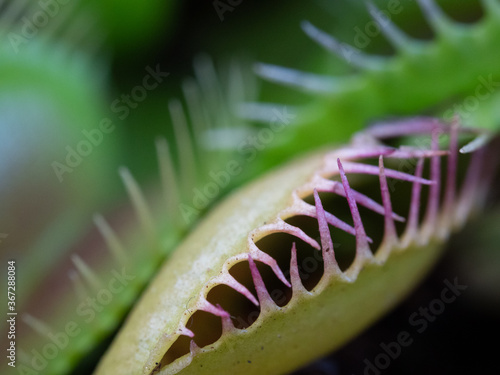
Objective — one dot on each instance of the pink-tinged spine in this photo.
(362, 248)
(331, 266)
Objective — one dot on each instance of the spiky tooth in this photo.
(87, 274)
(302, 208)
(413, 215)
(168, 176)
(480, 141)
(230, 281)
(111, 239)
(208, 80)
(185, 332)
(373, 170)
(265, 300)
(265, 258)
(429, 225)
(363, 251)
(204, 305)
(283, 227)
(390, 234)
(363, 200)
(193, 348)
(331, 266)
(138, 201)
(308, 82)
(227, 324)
(346, 52)
(185, 145)
(297, 286)
(361, 152)
(400, 40)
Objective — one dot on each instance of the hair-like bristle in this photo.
(187, 163)
(86, 272)
(197, 114)
(212, 92)
(139, 202)
(168, 177)
(111, 239)
(36, 324)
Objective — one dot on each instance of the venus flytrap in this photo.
(182, 326)
(192, 330)
(289, 212)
